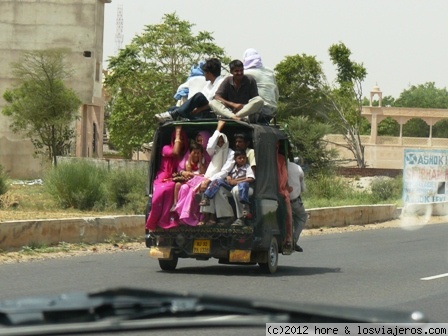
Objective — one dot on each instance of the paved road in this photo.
(377, 268)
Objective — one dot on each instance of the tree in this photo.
(345, 100)
(424, 96)
(299, 79)
(440, 129)
(144, 76)
(304, 91)
(416, 127)
(310, 145)
(389, 127)
(387, 101)
(41, 107)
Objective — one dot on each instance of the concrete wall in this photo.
(387, 152)
(14, 235)
(42, 24)
(350, 215)
(110, 163)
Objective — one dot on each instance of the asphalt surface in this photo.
(389, 268)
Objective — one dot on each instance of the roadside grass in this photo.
(3, 181)
(126, 195)
(120, 239)
(63, 247)
(33, 198)
(331, 191)
(29, 202)
(76, 189)
(85, 186)
(125, 190)
(78, 185)
(36, 251)
(36, 248)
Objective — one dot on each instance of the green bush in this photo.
(327, 189)
(385, 189)
(3, 181)
(78, 185)
(327, 186)
(126, 189)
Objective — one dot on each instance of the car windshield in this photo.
(210, 167)
(359, 272)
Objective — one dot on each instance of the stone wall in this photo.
(364, 172)
(15, 234)
(108, 163)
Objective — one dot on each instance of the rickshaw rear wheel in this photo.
(271, 265)
(168, 265)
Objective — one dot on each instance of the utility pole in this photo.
(119, 29)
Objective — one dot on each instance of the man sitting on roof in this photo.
(197, 107)
(266, 83)
(194, 84)
(237, 96)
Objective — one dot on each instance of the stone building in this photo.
(388, 151)
(77, 25)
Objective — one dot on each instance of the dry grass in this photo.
(27, 254)
(8, 200)
(65, 250)
(28, 202)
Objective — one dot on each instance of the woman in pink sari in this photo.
(202, 139)
(187, 207)
(163, 187)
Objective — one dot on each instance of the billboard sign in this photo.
(425, 176)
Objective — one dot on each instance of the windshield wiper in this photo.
(132, 309)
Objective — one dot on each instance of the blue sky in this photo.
(400, 42)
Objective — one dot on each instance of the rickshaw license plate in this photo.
(201, 246)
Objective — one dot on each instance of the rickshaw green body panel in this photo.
(230, 245)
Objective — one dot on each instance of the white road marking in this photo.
(435, 277)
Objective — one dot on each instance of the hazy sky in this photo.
(400, 42)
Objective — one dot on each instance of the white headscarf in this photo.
(252, 59)
(218, 158)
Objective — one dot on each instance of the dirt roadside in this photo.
(73, 250)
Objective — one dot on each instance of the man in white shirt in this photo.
(220, 203)
(197, 107)
(296, 182)
(194, 84)
(266, 83)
